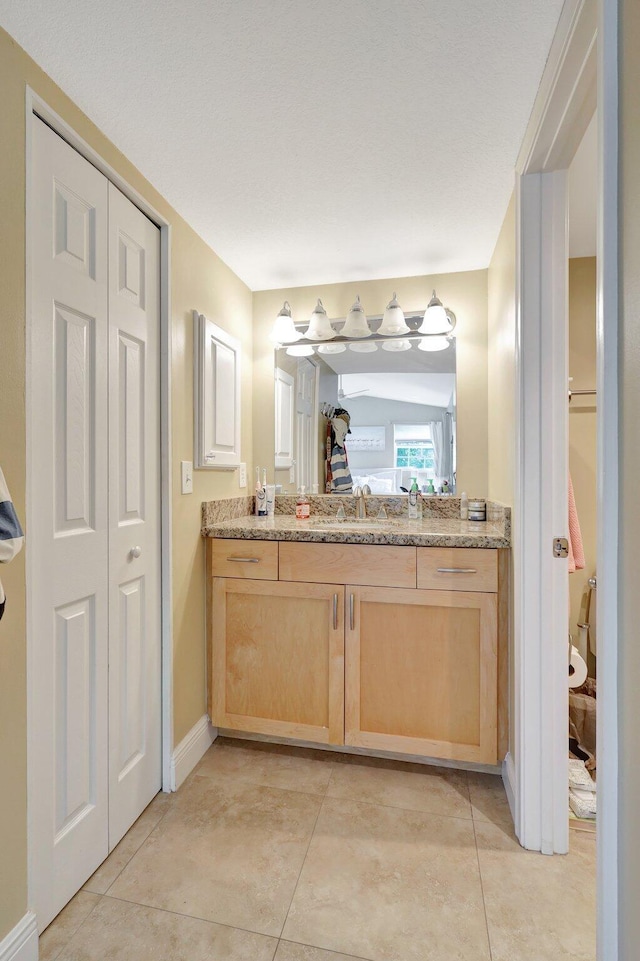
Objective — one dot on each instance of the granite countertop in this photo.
(429, 532)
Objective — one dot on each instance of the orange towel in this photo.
(576, 550)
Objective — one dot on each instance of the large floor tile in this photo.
(226, 852)
(61, 930)
(537, 906)
(390, 885)
(414, 787)
(103, 878)
(119, 931)
(489, 799)
(272, 765)
(288, 951)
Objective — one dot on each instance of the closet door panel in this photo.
(68, 535)
(134, 512)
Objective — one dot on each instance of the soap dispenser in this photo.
(303, 508)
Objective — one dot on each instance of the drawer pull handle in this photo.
(457, 570)
(244, 560)
(335, 612)
(351, 612)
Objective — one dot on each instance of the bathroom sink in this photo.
(353, 523)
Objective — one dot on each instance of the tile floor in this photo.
(270, 853)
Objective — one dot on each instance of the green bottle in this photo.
(414, 509)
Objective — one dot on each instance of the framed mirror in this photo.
(401, 407)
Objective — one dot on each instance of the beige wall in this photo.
(198, 279)
(502, 394)
(582, 418)
(465, 293)
(629, 462)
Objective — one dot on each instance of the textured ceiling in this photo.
(310, 142)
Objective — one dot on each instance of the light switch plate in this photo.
(242, 475)
(186, 467)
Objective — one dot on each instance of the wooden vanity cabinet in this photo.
(277, 658)
(421, 673)
(405, 669)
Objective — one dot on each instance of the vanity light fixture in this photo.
(284, 330)
(393, 321)
(319, 325)
(356, 323)
(437, 319)
(432, 332)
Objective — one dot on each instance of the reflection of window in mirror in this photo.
(414, 447)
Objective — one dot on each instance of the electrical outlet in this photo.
(242, 475)
(292, 475)
(187, 476)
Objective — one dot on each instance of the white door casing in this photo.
(306, 424)
(134, 514)
(68, 536)
(77, 588)
(284, 407)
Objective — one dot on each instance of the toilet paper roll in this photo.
(577, 668)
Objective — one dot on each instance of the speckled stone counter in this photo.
(434, 530)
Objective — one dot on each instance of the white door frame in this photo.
(35, 105)
(579, 73)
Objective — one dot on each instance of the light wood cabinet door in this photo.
(277, 659)
(421, 672)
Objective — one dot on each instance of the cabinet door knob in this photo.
(335, 612)
(135, 552)
(351, 612)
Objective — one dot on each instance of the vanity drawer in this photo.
(458, 569)
(230, 557)
(359, 564)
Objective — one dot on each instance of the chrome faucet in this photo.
(360, 493)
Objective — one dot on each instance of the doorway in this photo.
(94, 517)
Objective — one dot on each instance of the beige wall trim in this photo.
(190, 749)
(21, 943)
(509, 781)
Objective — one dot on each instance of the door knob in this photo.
(135, 552)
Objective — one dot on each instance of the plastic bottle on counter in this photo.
(303, 508)
(414, 500)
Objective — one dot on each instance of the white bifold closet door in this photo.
(94, 538)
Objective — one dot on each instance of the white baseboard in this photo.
(21, 943)
(189, 751)
(509, 781)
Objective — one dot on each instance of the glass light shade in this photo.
(434, 343)
(437, 320)
(300, 350)
(393, 321)
(356, 323)
(331, 348)
(396, 345)
(319, 325)
(284, 330)
(364, 347)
